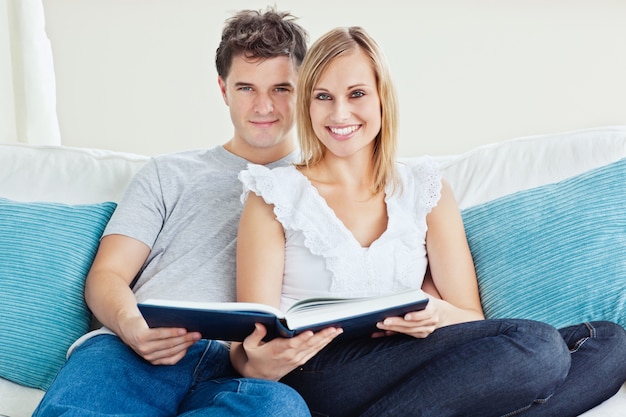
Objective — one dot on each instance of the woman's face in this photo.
(345, 106)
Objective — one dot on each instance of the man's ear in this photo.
(222, 83)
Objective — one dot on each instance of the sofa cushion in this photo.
(555, 253)
(46, 250)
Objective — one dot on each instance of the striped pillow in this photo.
(555, 253)
(46, 250)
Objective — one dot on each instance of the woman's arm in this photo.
(450, 262)
(260, 253)
(451, 270)
(260, 265)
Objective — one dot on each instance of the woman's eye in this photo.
(357, 93)
(322, 96)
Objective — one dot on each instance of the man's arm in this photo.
(112, 301)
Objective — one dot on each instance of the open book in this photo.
(234, 321)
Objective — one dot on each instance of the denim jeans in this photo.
(105, 377)
(598, 369)
(482, 368)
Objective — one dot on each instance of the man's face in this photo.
(261, 96)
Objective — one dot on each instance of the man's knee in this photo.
(279, 400)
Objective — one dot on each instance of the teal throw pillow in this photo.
(556, 253)
(46, 250)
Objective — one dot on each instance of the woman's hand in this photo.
(274, 359)
(419, 324)
(438, 313)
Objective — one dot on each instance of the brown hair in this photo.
(257, 34)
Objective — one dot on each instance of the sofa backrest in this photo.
(64, 174)
(80, 175)
(502, 168)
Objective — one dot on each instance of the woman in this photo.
(350, 221)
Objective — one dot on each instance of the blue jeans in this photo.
(483, 368)
(598, 369)
(105, 377)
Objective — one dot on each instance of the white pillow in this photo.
(499, 169)
(64, 174)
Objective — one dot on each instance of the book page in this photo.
(319, 310)
(215, 306)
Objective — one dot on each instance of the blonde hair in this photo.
(336, 43)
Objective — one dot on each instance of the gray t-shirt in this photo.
(186, 208)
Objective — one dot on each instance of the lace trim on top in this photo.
(391, 262)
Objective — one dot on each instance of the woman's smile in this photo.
(344, 132)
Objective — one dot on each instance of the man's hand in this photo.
(159, 346)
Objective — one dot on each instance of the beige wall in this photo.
(138, 75)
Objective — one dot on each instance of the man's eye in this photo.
(282, 90)
(245, 88)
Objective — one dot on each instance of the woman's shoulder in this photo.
(255, 173)
(418, 164)
(257, 169)
(421, 179)
(423, 169)
(275, 183)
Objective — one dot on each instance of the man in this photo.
(173, 236)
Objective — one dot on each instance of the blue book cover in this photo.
(234, 321)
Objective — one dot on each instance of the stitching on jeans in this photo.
(592, 330)
(197, 371)
(523, 409)
(516, 412)
(580, 342)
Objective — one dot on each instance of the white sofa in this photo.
(88, 176)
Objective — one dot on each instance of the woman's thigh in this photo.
(348, 377)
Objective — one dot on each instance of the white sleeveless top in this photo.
(323, 258)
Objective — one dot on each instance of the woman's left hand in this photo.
(419, 324)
